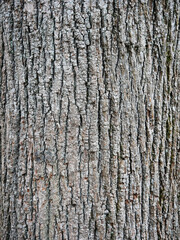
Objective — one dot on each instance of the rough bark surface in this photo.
(90, 119)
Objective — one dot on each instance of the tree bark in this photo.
(90, 119)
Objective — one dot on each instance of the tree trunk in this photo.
(90, 114)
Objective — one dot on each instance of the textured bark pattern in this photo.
(90, 111)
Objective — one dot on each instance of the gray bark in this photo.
(89, 115)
